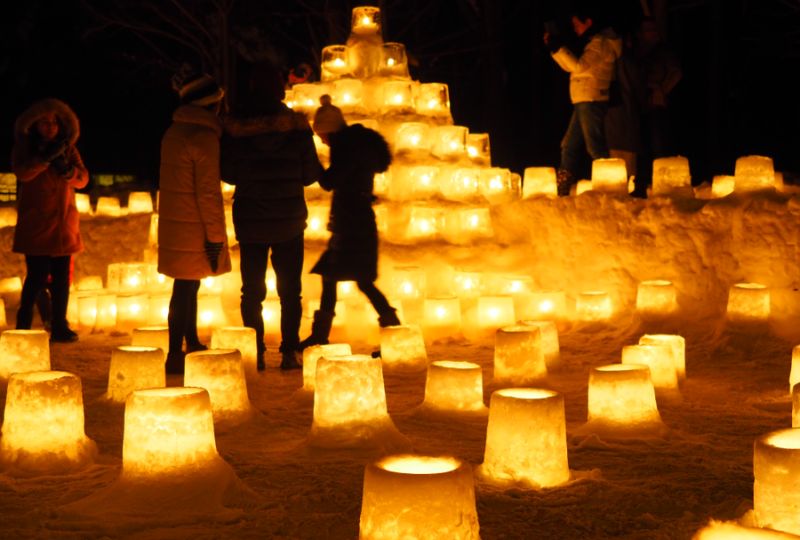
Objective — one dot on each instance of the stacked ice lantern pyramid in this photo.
(440, 172)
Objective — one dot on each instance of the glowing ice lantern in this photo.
(241, 338)
(87, 309)
(776, 467)
(12, 285)
(397, 96)
(347, 94)
(454, 387)
(671, 176)
(610, 176)
(550, 346)
(594, 306)
(23, 350)
(220, 371)
(660, 359)
(441, 317)
(420, 497)
(43, 428)
(656, 298)
(349, 401)
(209, 313)
(433, 99)
(754, 173)
(412, 137)
(152, 233)
(3, 321)
(8, 216)
(622, 400)
(140, 202)
(132, 277)
(423, 181)
(90, 283)
(478, 148)
(794, 375)
(539, 181)
(132, 311)
(449, 142)
(519, 356)
(394, 62)
(719, 530)
(306, 96)
(134, 368)
(313, 353)
(467, 224)
(677, 346)
(151, 336)
(583, 186)
(495, 185)
(467, 284)
(334, 62)
(366, 20)
(526, 439)
(544, 306)
(108, 206)
(403, 348)
(748, 302)
(317, 222)
(158, 308)
(83, 203)
(106, 311)
(722, 186)
(460, 184)
(495, 312)
(424, 222)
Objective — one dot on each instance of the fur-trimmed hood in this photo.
(66, 116)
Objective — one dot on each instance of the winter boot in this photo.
(174, 365)
(389, 318)
(289, 360)
(564, 181)
(320, 330)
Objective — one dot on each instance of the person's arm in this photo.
(207, 186)
(26, 165)
(310, 167)
(591, 57)
(80, 176)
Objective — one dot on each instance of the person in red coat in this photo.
(49, 168)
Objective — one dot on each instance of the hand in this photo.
(53, 150)
(213, 249)
(63, 167)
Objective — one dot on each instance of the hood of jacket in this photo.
(283, 120)
(192, 114)
(66, 117)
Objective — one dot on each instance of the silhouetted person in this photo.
(268, 153)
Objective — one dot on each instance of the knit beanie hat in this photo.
(328, 118)
(197, 88)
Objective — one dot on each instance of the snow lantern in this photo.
(151, 336)
(140, 202)
(449, 142)
(318, 222)
(220, 371)
(433, 99)
(725, 530)
(441, 317)
(467, 284)
(543, 306)
(210, 313)
(776, 467)
(478, 148)
(464, 225)
(366, 20)
(592, 306)
(518, 356)
(398, 97)
(12, 285)
(43, 427)
(677, 345)
(106, 311)
(403, 348)
(622, 399)
(539, 181)
(461, 184)
(656, 298)
(494, 312)
(748, 302)
(168, 432)
(306, 97)
(609, 175)
(347, 94)
(133, 368)
(108, 206)
(23, 350)
(795, 404)
(671, 176)
(152, 234)
(794, 375)
(132, 311)
(87, 309)
(334, 62)
(420, 497)
(582, 186)
(349, 401)
(423, 181)
(128, 277)
(754, 173)
(722, 186)
(90, 283)
(241, 338)
(660, 359)
(313, 353)
(495, 185)
(83, 203)
(394, 62)
(526, 438)
(549, 341)
(158, 308)
(212, 285)
(412, 137)
(424, 222)
(453, 386)
(3, 321)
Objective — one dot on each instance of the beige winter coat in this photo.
(592, 73)
(190, 202)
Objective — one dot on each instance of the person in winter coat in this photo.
(191, 223)
(268, 153)
(49, 168)
(357, 153)
(590, 76)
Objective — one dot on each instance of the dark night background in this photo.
(738, 95)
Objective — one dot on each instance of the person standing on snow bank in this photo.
(191, 224)
(590, 76)
(357, 153)
(49, 168)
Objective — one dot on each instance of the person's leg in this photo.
(571, 149)
(387, 315)
(591, 116)
(192, 339)
(37, 270)
(254, 289)
(178, 319)
(287, 260)
(323, 317)
(59, 291)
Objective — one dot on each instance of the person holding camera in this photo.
(49, 169)
(192, 241)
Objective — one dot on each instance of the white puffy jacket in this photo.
(592, 73)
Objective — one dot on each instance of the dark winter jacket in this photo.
(47, 218)
(269, 159)
(357, 154)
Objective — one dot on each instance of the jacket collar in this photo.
(192, 114)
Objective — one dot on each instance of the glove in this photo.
(62, 167)
(213, 249)
(53, 150)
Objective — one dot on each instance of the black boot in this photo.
(289, 360)
(320, 330)
(564, 182)
(389, 318)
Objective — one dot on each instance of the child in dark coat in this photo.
(357, 153)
